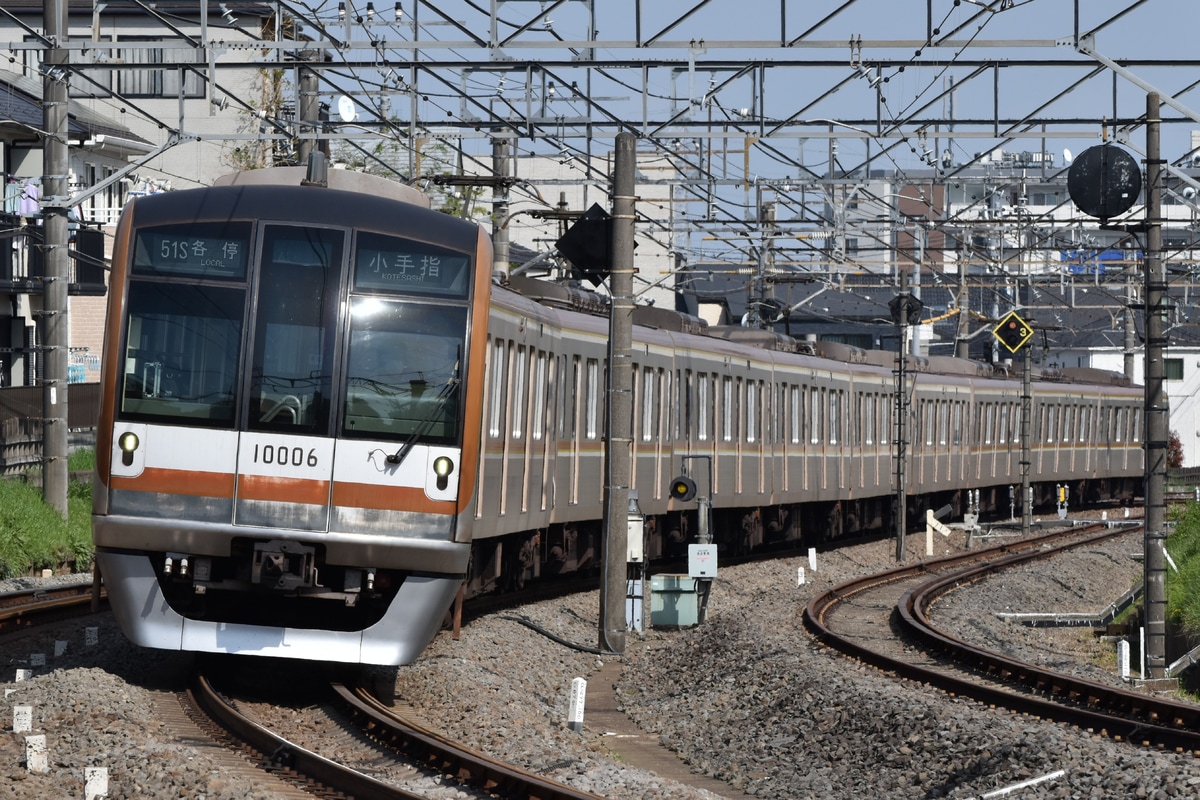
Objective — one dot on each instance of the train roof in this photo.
(572, 297)
(343, 179)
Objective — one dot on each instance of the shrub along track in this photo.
(878, 619)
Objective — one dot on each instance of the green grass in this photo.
(34, 537)
(1183, 597)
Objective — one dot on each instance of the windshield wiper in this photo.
(443, 396)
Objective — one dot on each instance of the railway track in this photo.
(28, 608)
(383, 726)
(883, 620)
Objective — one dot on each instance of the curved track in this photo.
(879, 618)
(325, 778)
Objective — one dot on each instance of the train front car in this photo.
(289, 430)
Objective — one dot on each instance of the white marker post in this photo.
(575, 707)
(36, 757)
(22, 719)
(95, 783)
(799, 576)
(23, 675)
(812, 558)
(1123, 659)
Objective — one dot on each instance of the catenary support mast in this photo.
(53, 322)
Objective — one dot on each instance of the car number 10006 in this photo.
(284, 456)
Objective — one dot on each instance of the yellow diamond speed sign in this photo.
(1013, 332)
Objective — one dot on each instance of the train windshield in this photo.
(403, 369)
(292, 373)
(184, 339)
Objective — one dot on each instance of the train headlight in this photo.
(128, 443)
(442, 467)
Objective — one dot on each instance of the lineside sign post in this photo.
(1014, 333)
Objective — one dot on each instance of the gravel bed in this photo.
(747, 697)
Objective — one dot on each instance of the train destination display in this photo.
(208, 251)
(394, 264)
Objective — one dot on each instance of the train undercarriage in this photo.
(505, 564)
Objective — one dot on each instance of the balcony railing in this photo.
(23, 262)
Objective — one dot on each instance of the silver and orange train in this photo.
(321, 417)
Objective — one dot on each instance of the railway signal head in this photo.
(683, 488)
(1013, 332)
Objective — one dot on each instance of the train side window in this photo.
(855, 420)
(646, 399)
(576, 395)
(872, 401)
(1135, 425)
(814, 419)
(795, 414)
(1004, 430)
(591, 428)
(957, 432)
(752, 412)
(989, 422)
(727, 408)
(885, 420)
(665, 390)
(520, 382)
(835, 415)
(292, 375)
(563, 395)
(496, 388)
(541, 387)
(943, 421)
(703, 407)
(928, 424)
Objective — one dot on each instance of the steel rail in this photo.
(386, 727)
(1153, 721)
(1108, 710)
(27, 608)
(280, 756)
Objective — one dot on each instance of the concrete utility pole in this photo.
(1026, 443)
(501, 168)
(1157, 425)
(620, 401)
(962, 341)
(55, 202)
(310, 107)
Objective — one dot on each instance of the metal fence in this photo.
(21, 423)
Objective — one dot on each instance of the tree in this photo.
(271, 86)
(1174, 451)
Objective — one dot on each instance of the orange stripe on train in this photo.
(392, 498)
(177, 481)
(283, 490)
